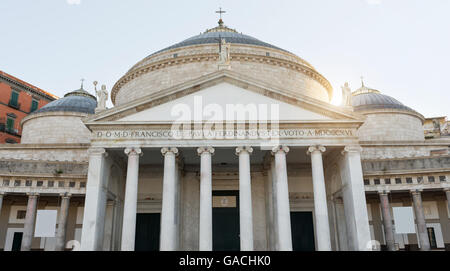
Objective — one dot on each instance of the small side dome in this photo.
(76, 101)
(61, 121)
(387, 119)
(365, 99)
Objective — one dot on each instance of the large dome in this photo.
(198, 56)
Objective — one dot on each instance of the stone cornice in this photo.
(212, 49)
(395, 111)
(43, 146)
(43, 176)
(437, 171)
(132, 74)
(405, 158)
(20, 85)
(55, 114)
(405, 143)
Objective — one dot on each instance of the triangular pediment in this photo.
(227, 102)
(216, 95)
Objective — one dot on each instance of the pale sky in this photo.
(401, 47)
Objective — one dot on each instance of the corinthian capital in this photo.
(165, 151)
(318, 148)
(133, 151)
(247, 149)
(280, 148)
(202, 150)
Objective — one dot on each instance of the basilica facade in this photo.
(225, 142)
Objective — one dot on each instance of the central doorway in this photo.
(302, 231)
(147, 232)
(226, 221)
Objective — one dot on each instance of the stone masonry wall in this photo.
(63, 129)
(391, 126)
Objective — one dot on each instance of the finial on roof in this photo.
(362, 81)
(82, 81)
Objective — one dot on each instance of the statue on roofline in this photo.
(102, 96)
(346, 95)
(224, 52)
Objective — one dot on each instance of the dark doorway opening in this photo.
(17, 241)
(147, 232)
(226, 221)
(302, 231)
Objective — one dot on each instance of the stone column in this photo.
(341, 224)
(273, 176)
(270, 233)
(30, 219)
(447, 193)
(387, 220)
(245, 198)
(320, 199)
(205, 226)
(95, 201)
(283, 212)
(357, 219)
(168, 236)
(2, 194)
(62, 222)
(424, 241)
(130, 202)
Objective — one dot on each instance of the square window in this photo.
(431, 179)
(398, 180)
(366, 182)
(376, 181)
(420, 179)
(17, 183)
(21, 214)
(442, 179)
(175, 55)
(387, 181)
(28, 183)
(72, 184)
(5, 182)
(39, 183)
(61, 184)
(409, 180)
(82, 185)
(51, 183)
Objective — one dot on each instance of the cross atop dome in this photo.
(220, 11)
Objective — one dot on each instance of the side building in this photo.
(17, 100)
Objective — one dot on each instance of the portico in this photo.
(246, 173)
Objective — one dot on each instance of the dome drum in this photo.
(60, 122)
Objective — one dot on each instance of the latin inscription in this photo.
(213, 134)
